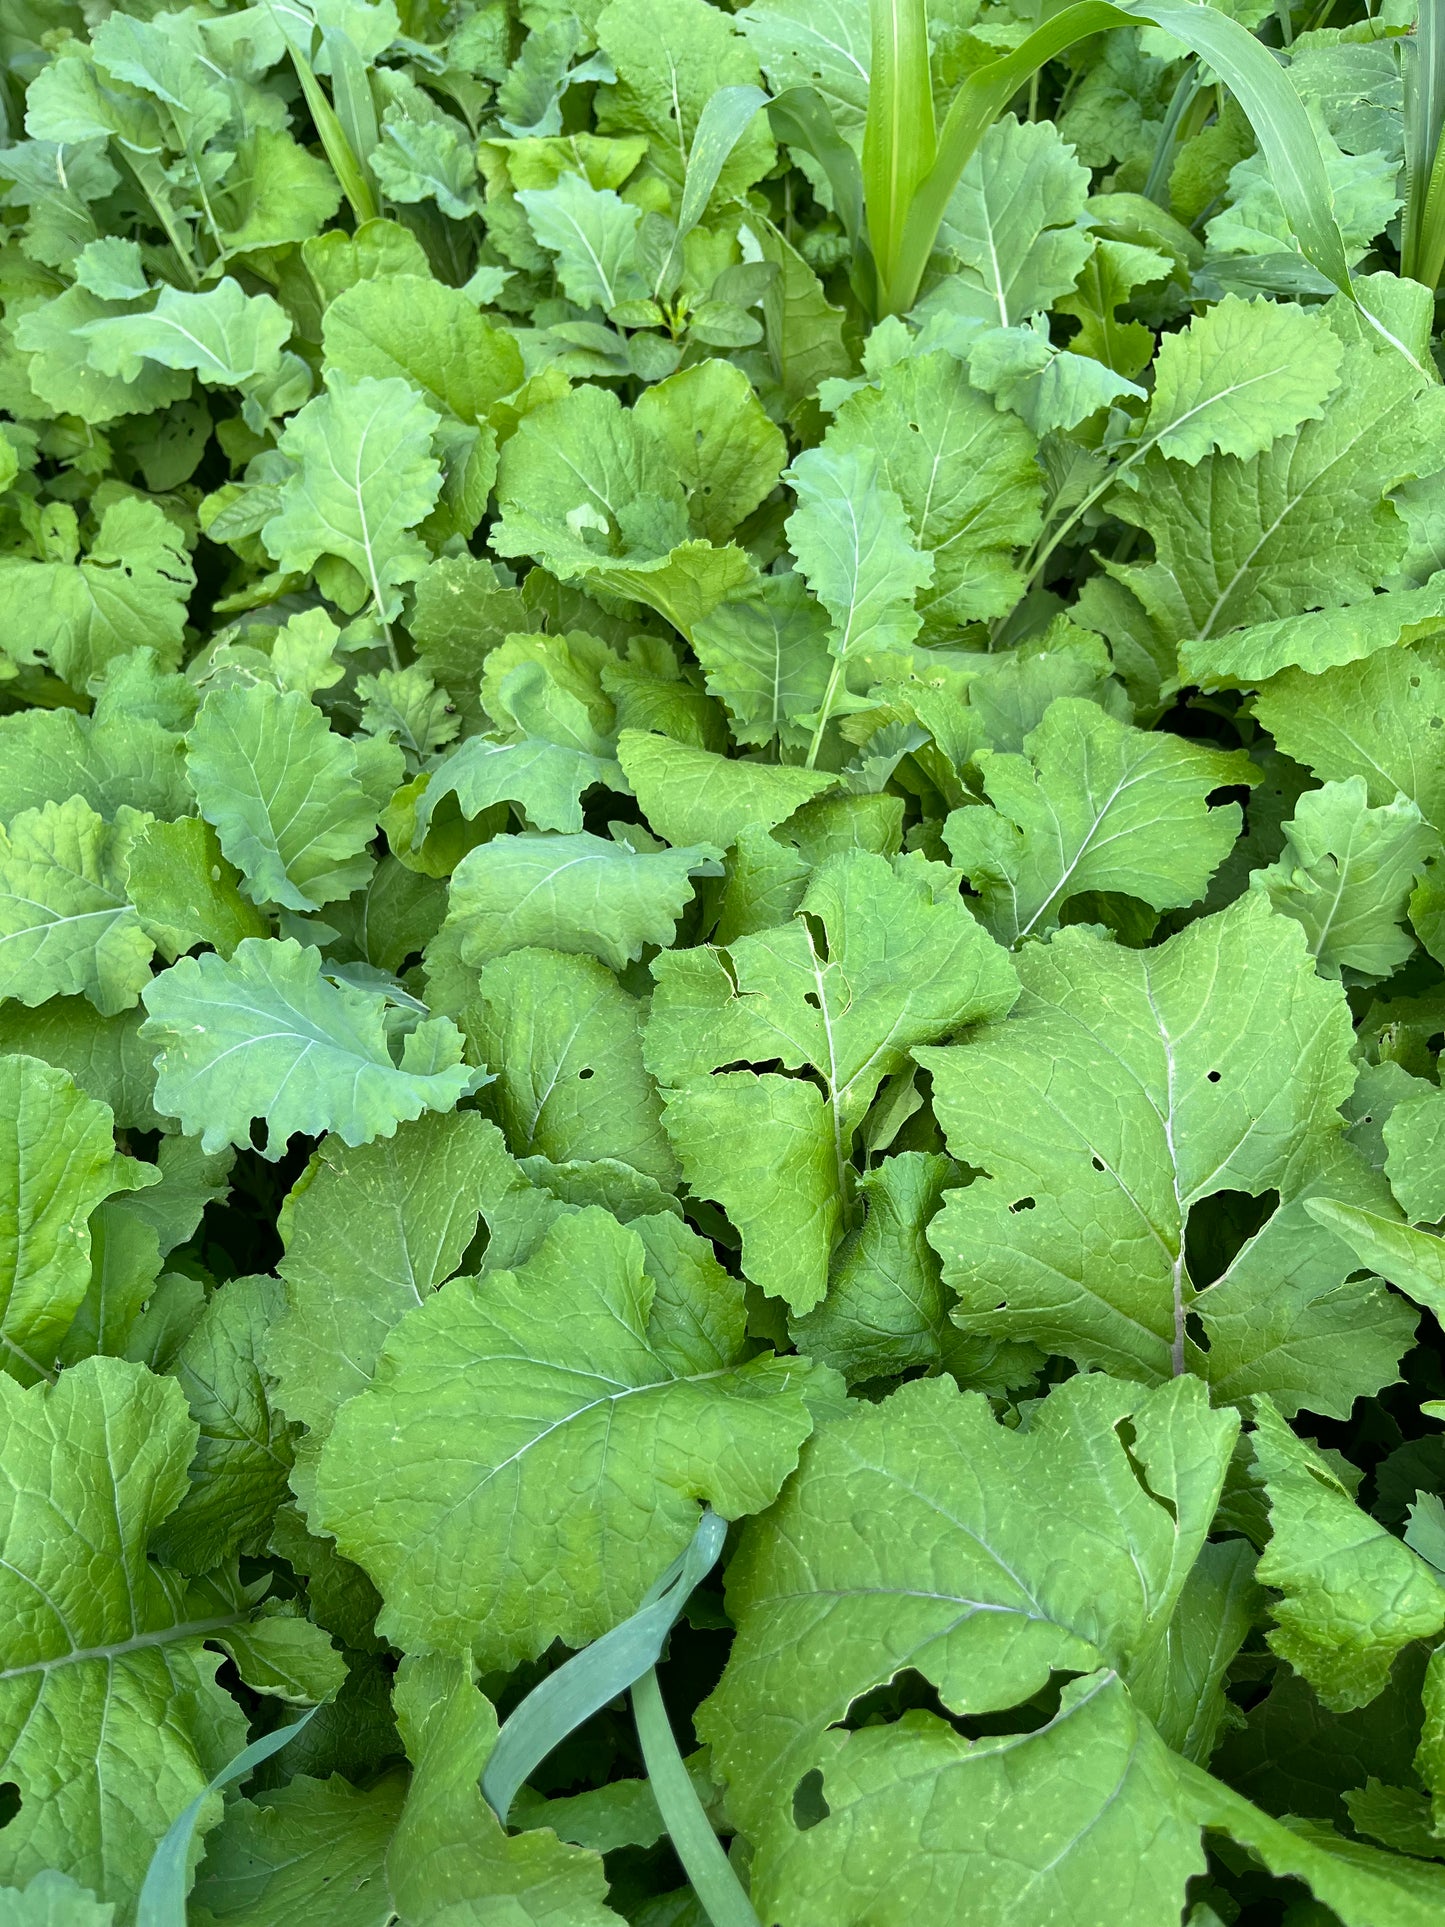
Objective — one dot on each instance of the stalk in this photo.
(1422, 240)
(899, 137)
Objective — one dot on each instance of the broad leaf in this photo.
(111, 1720)
(407, 325)
(57, 1162)
(1093, 805)
(574, 893)
(593, 493)
(1238, 542)
(919, 1533)
(283, 793)
(451, 1857)
(420, 1192)
(853, 541)
(1239, 377)
(132, 587)
(1374, 718)
(566, 1041)
(185, 892)
(879, 958)
(365, 477)
(243, 1452)
(1014, 224)
(1346, 876)
(227, 336)
(966, 475)
(622, 1344)
(266, 1037)
(1127, 1086)
(692, 796)
(1353, 1594)
(66, 924)
(313, 1848)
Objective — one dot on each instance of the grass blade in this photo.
(345, 163)
(802, 118)
(351, 96)
(162, 1900)
(707, 1867)
(599, 1673)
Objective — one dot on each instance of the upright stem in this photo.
(899, 135)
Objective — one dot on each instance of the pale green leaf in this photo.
(887, 1308)
(66, 924)
(765, 655)
(711, 429)
(111, 1720)
(1240, 376)
(967, 477)
(1353, 1594)
(1414, 1135)
(407, 325)
(692, 796)
(312, 1849)
(451, 1860)
(50, 755)
(54, 1900)
(105, 1055)
(283, 792)
(132, 587)
(574, 893)
(916, 1813)
(58, 366)
(854, 543)
(1364, 1887)
(420, 1192)
(671, 56)
(1126, 1086)
(1346, 875)
(243, 1455)
(1047, 387)
(1288, 1317)
(264, 1036)
(184, 890)
(1240, 542)
(365, 477)
(900, 961)
(606, 1346)
(594, 494)
(920, 1533)
(1014, 226)
(565, 1040)
(593, 233)
(765, 1149)
(1411, 1259)
(58, 1161)
(1093, 804)
(228, 337)
(1380, 719)
(1324, 639)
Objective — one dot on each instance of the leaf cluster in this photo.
(639, 908)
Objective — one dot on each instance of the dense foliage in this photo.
(636, 888)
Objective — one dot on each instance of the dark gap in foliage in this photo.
(1219, 1227)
